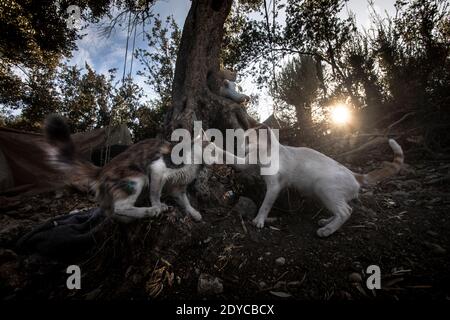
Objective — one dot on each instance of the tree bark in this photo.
(195, 86)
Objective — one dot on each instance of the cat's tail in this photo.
(389, 169)
(62, 155)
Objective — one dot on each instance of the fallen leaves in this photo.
(159, 278)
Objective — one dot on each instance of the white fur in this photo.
(182, 175)
(395, 146)
(161, 174)
(126, 206)
(228, 90)
(177, 178)
(313, 174)
(53, 155)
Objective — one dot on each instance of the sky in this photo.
(107, 53)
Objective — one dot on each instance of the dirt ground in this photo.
(401, 225)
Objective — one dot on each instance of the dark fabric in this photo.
(63, 235)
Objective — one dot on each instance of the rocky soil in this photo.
(401, 225)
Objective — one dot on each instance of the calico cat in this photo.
(118, 184)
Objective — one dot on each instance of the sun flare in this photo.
(340, 114)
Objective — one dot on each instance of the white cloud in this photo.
(81, 57)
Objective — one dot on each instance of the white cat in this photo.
(229, 90)
(314, 174)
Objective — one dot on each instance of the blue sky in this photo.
(104, 53)
(107, 53)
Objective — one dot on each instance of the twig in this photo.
(398, 121)
(282, 276)
(317, 213)
(243, 224)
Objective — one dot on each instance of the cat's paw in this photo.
(324, 232)
(258, 222)
(158, 209)
(195, 215)
(324, 222)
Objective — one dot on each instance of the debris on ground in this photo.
(400, 225)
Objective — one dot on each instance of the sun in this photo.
(340, 114)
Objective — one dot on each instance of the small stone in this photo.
(262, 284)
(390, 203)
(207, 240)
(355, 277)
(280, 261)
(209, 285)
(59, 194)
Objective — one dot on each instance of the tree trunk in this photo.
(195, 87)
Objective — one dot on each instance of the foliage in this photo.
(34, 39)
(297, 85)
(159, 59)
(35, 84)
(315, 57)
(399, 65)
(36, 31)
(234, 33)
(84, 97)
(158, 62)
